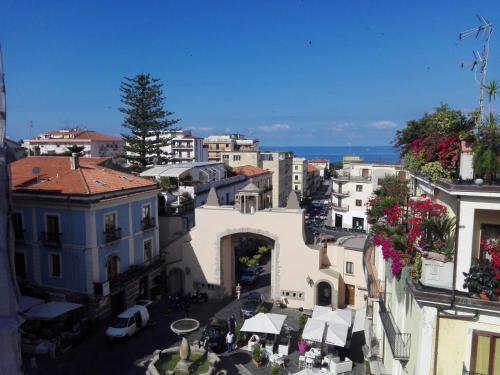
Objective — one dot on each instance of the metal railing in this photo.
(349, 177)
(112, 234)
(340, 207)
(148, 223)
(399, 342)
(133, 272)
(343, 193)
(51, 238)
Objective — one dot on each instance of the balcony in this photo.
(112, 235)
(51, 238)
(148, 223)
(340, 194)
(399, 342)
(340, 207)
(344, 177)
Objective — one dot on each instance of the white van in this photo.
(128, 323)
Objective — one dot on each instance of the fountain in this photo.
(181, 328)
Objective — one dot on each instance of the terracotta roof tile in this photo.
(56, 176)
(250, 171)
(82, 134)
(318, 160)
(311, 168)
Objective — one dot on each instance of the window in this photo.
(52, 223)
(110, 222)
(17, 223)
(359, 187)
(55, 265)
(296, 177)
(225, 157)
(236, 157)
(296, 167)
(349, 267)
(146, 211)
(296, 187)
(20, 264)
(485, 354)
(148, 250)
(359, 202)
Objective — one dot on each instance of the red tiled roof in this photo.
(318, 160)
(56, 176)
(82, 134)
(250, 171)
(311, 168)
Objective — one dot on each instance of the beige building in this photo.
(301, 274)
(313, 179)
(299, 176)
(352, 187)
(217, 144)
(434, 325)
(278, 162)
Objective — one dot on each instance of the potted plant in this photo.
(466, 141)
(302, 346)
(257, 356)
(275, 370)
(481, 280)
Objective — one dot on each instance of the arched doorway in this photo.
(175, 281)
(113, 266)
(324, 294)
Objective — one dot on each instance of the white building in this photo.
(351, 189)
(188, 148)
(216, 144)
(56, 142)
(299, 176)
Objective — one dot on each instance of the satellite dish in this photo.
(36, 170)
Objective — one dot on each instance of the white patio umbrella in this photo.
(314, 330)
(336, 334)
(264, 323)
(324, 313)
(343, 316)
(51, 310)
(359, 320)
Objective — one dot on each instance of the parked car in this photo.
(128, 323)
(215, 334)
(146, 303)
(248, 277)
(255, 296)
(249, 308)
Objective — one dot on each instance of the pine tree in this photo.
(146, 118)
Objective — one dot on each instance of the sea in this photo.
(335, 153)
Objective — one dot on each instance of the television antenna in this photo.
(480, 62)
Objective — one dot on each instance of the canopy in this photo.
(336, 334)
(264, 323)
(326, 314)
(27, 302)
(314, 330)
(51, 310)
(343, 316)
(359, 321)
(323, 313)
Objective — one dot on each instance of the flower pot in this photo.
(256, 364)
(484, 296)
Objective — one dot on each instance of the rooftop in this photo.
(250, 171)
(311, 168)
(76, 133)
(176, 170)
(319, 160)
(55, 176)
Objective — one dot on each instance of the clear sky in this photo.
(288, 72)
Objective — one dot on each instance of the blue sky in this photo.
(288, 72)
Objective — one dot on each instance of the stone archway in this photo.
(222, 247)
(175, 281)
(324, 293)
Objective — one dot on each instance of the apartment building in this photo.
(313, 179)
(217, 144)
(352, 187)
(431, 323)
(323, 166)
(85, 233)
(56, 142)
(188, 148)
(299, 176)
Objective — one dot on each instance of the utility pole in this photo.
(10, 362)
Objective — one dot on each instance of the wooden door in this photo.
(349, 294)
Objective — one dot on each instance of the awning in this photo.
(336, 334)
(359, 320)
(264, 323)
(343, 316)
(27, 302)
(326, 314)
(314, 330)
(51, 310)
(166, 171)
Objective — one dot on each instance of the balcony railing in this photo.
(399, 342)
(349, 177)
(133, 272)
(340, 207)
(51, 238)
(148, 223)
(112, 235)
(343, 193)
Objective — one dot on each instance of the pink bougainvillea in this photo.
(394, 215)
(493, 249)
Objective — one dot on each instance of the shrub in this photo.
(257, 354)
(262, 309)
(302, 321)
(435, 171)
(275, 370)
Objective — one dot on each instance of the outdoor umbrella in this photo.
(343, 316)
(336, 334)
(51, 310)
(314, 330)
(359, 320)
(264, 323)
(324, 313)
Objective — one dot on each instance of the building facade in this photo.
(188, 148)
(351, 189)
(299, 176)
(217, 144)
(85, 233)
(313, 180)
(94, 144)
(259, 189)
(433, 324)
(323, 166)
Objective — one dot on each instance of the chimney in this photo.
(73, 160)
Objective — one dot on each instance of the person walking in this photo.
(232, 323)
(238, 290)
(229, 341)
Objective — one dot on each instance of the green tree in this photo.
(146, 118)
(492, 89)
(487, 150)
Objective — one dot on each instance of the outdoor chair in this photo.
(339, 367)
(302, 362)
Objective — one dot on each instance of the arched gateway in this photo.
(208, 252)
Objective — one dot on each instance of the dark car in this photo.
(214, 335)
(250, 306)
(248, 277)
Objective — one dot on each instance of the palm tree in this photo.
(440, 234)
(492, 89)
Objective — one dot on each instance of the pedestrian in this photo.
(232, 324)
(229, 341)
(238, 290)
